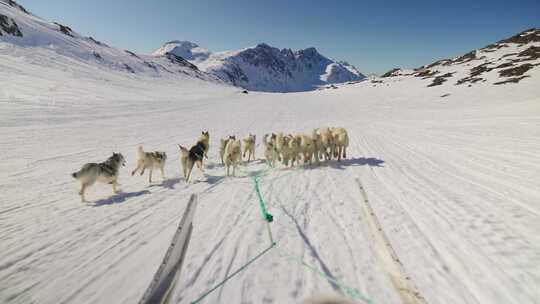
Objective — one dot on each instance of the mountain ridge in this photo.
(509, 60)
(266, 68)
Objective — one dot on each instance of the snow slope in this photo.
(265, 68)
(56, 46)
(452, 174)
(507, 61)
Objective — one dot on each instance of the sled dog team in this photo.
(322, 144)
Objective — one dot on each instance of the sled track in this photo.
(386, 254)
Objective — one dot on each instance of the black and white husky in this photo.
(195, 155)
(188, 158)
(150, 161)
(105, 172)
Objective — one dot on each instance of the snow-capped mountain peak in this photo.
(185, 49)
(267, 68)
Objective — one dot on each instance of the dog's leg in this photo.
(81, 193)
(150, 176)
(162, 173)
(114, 187)
(344, 152)
(189, 169)
(136, 169)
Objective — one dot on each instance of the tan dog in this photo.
(270, 150)
(150, 161)
(341, 142)
(324, 142)
(222, 145)
(233, 155)
(249, 147)
(308, 148)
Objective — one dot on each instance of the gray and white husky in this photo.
(105, 172)
(150, 161)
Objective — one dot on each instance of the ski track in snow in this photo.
(455, 185)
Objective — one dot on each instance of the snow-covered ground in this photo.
(451, 172)
(454, 182)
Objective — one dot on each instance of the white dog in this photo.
(150, 161)
(270, 150)
(324, 142)
(223, 145)
(290, 149)
(308, 148)
(341, 142)
(233, 155)
(249, 147)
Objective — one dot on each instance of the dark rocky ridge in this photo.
(180, 61)
(9, 27)
(66, 30)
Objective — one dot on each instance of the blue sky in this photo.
(373, 35)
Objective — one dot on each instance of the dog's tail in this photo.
(76, 174)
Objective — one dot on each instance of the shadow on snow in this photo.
(119, 198)
(352, 162)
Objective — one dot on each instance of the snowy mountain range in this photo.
(261, 68)
(266, 68)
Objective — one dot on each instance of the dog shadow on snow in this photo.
(119, 198)
(169, 183)
(353, 162)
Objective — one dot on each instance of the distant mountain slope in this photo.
(185, 49)
(265, 68)
(55, 45)
(507, 61)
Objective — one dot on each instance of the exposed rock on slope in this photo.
(507, 61)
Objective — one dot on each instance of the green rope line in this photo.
(255, 177)
(233, 274)
(351, 292)
(266, 216)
